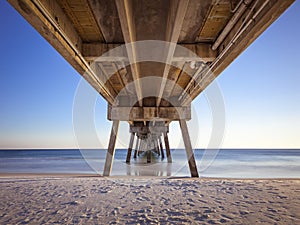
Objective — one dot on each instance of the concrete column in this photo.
(169, 157)
(111, 148)
(188, 148)
(161, 148)
(130, 148)
(156, 146)
(142, 146)
(148, 147)
(136, 147)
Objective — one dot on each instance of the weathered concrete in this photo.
(111, 148)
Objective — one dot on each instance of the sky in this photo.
(260, 90)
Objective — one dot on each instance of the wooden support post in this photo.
(188, 148)
(136, 147)
(169, 157)
(111, 148)
(161, 148)
(130, 148)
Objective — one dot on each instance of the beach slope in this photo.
(98, 200)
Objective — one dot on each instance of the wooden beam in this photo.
(188, 149)
(124, 8)
(111, 148)
(176, 16)
(130, 148)
(51, 22)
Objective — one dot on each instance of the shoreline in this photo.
(82, 175)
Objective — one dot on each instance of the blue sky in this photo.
(260, 89)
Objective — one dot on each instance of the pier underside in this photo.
(149, 128)
(149, 85)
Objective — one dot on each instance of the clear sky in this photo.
(261, 90)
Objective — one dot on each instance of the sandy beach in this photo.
(147, 200)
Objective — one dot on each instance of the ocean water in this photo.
(225, 163)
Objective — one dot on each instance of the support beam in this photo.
(169, 157)
(101, 72)
(130, 148)
(148, 149)
(176, 16)
(149, 156)
(111, 148)
(142, 146)
(161, 148)
(136, 147)
(93, 51)
(148, 113)
(125, 13)
(121, 78)
(188, 148)
(157, 150)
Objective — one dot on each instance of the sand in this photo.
(147, 200)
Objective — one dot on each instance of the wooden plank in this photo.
(188, 149)
(111, 148)
(130, 148)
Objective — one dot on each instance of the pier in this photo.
(150, 59)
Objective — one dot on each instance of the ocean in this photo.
(225, 163)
